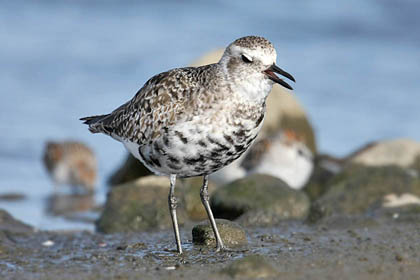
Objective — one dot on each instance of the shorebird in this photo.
(193, 121)
(283, 155)
(71, 163)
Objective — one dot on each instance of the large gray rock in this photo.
(189, 190)
(262, 195)
(231, 233)
(325, 169)
(139, 205)
(130, 170)
(359, 189)
(142, 204)
(401, 152)
(11, 225)
(10, 228)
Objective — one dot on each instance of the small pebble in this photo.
(48, 243)
(231, 233)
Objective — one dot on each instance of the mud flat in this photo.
(361, 247)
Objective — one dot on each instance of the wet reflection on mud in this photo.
(75, 207)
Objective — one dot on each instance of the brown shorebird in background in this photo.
(71, 163)
(193, 121)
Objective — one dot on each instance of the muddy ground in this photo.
(340, 248)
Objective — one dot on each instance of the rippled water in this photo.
(357, 66)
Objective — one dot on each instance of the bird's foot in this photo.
(175, 251)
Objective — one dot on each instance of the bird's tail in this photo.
(95, 123)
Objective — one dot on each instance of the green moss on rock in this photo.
(259, 192)
(359, 188)
(231, 233)
(138, 206)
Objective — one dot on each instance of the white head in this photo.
(249, 62)
(286, 156)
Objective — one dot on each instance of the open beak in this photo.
(275, 69)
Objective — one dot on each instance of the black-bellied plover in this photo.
(71, 163)
(193, 121)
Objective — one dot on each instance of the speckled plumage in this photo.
(254, 42)
(193, 121)
(180, 109)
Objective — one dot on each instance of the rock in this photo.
(143, 204)
(190, 193)
(130, 170)
(406, 213)
(139, 205)
(393, 201)
(8, 223)
(12, 196)
(326, 167)
(231, 233)
(263, 218)
(251, 267)
(404, 207)
(11, 225)
(10, 228)
(259, 192)
(416, 166)
(359, 189)
(401, 152)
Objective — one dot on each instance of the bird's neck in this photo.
(252, 91)
(248, 88)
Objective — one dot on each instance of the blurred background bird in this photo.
(283, 155)
(71, 163)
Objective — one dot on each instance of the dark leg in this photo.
(205, 200)
(172, 209)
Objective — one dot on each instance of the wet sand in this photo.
(341, 248)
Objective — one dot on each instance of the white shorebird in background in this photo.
(283, 155)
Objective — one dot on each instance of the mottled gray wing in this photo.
(165, 99)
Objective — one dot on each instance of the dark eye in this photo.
(300, 152)
(246, 59)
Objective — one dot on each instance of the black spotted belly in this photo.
(193, 153)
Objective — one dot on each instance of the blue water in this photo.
(357, 66)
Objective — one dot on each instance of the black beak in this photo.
(275, 69)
